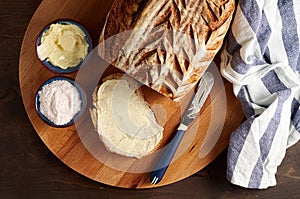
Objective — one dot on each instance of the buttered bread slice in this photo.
(123, 119)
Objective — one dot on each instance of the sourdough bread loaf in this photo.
(166, 45)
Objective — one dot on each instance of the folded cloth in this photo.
(261, 57)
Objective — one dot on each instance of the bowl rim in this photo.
(82, 95)
(57, 69)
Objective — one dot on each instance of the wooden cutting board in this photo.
(78, 146)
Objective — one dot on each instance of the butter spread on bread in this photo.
(123, 119)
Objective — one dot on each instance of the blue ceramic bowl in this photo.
(76, 117)
(54, 68)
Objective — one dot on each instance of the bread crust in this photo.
(195, 27)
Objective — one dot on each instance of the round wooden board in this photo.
(78, 145)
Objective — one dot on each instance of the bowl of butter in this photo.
(63, 46)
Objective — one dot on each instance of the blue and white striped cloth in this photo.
(261, 57)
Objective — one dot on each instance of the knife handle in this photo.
(166, 158)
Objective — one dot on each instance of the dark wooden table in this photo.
(29, 170)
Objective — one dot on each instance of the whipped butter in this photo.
(124, 120)
(63, 45)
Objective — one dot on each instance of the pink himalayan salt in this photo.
(59, 101)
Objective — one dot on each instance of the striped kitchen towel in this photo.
(261, 57)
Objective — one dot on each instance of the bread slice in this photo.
(166, 45)
(122, 118)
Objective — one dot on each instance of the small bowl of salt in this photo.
(60, 101)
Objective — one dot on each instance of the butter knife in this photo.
(205, 85)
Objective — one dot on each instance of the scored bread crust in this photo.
(93, 111)
(140, 37)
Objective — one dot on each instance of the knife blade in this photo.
(204, 88)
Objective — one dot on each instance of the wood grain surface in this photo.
(79, 147)
(29, 170)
